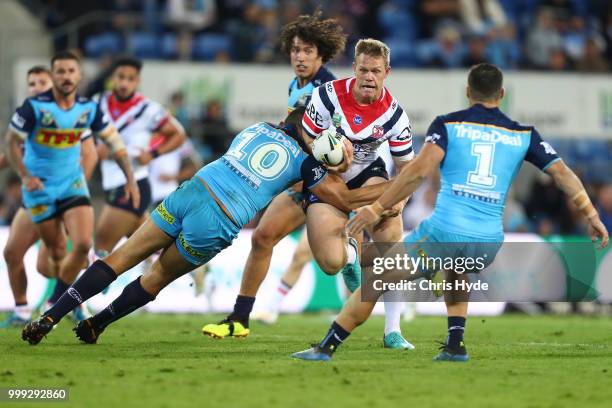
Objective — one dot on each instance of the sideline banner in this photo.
(316, 291)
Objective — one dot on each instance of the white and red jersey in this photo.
(168, 164)
(136, 119)
(366, 126)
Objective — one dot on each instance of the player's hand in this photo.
(103, 152)
(132, 191)
(144, 158)
(598, 230)
(32, 183)
(347, 160)
(394, 211)
(364, 218)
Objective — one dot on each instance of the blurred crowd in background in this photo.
(558, 35)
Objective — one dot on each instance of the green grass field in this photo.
(164, 361)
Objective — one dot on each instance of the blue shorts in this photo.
(54, 200)
(433, 242)
(200, 227)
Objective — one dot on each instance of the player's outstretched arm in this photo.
(89, 157)
(571, 185)
(174, 136)
(406, 182)
(15, 158)
(113, 140)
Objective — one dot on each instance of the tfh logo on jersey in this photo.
(59, 139)
(357, 120)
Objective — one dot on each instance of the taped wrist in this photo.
(583, 203)
(114, 142)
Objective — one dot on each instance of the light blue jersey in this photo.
(261, 162)
(484, 151)
(52, 136)
(52, 144)
(301, 96)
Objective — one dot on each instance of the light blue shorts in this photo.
(191, 216)
(428, 240)
(55, 199)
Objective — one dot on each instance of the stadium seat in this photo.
(206, 46)
(402, 52)
(144, 44)
(397, 22)
(104, 43)
(168, 46)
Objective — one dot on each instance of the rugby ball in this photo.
(328, 148)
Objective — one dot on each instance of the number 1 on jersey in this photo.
(483, 176)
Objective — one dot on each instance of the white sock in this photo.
(23, 311)
(351, 253)
(393, 312)
(279, 294)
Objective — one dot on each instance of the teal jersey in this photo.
(52, 136)
(484, 151)
(262, 161)
(301, 96)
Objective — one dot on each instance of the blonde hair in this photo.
(374, 48)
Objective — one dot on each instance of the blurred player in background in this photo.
(200, 219)
(51, 126)
(136, 118)
(476, 170)
(310, 42)
(364, 111)
(23, 233)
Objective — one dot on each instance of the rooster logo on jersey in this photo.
(378, 132)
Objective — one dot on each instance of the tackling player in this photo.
(309, 42)
(23, 233)
(51, 126)
(136, 118)
(479, 151)
(201, 218)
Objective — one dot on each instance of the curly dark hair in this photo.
(327, 35)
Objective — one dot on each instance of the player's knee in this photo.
(331, 266)
(264, 238)
(12, 255)
(82, 247)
